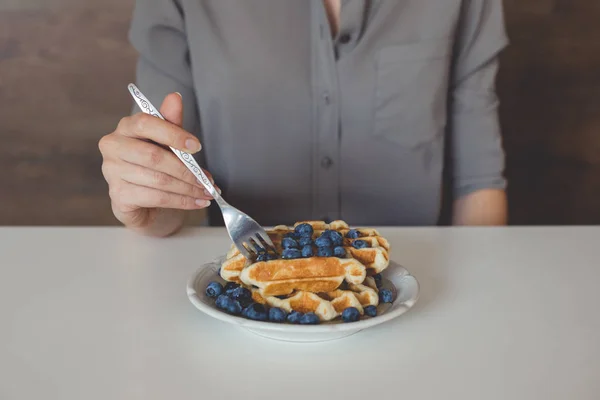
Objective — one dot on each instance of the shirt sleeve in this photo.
(158, 34)
(477, 153)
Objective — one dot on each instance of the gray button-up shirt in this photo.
(298, 125)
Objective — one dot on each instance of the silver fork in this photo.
(247, 235)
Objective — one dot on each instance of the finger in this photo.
(172, 109)
(144, 126)
(135, 151)
(147, 177)
(146, 197)
(109, 171)
(138, 152)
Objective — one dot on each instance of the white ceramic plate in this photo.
(395, 276)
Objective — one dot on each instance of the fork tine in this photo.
(256, 243)
(242, 249)
(266, 239)
(251, 247)
(260, 243)
(264, 245)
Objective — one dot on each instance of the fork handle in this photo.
(187, 159)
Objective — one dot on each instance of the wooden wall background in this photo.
(64, 66)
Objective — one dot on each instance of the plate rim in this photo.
(294, 328)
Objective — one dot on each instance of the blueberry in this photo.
(371, 311)
(353, 234)
(260, 249)
(350, 314)
(324, 252)
(294, 317)
(360, 244)
(228, 304)
(255, 311)
(309, 318)
(222, 301)
(305, 241)
(291, 253)
(214, 290)
(378, 280)
(289, 243)
(230, 287)
(307, 251)
(243, 295)
(336, 238)
(386, 296)
(326, 233)
(303, 230)
(322, 241)
(339, 251)
(271, 256)
(245, 312)
(234, 307)
(276, 314)
(290, 235)
(262, 257)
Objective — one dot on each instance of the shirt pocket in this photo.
(411, 92)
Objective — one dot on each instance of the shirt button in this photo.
(345, 38)
(326, 162)
(327, 97)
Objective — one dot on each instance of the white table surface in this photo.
(101, 313)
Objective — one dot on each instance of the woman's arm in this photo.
(483, 207)
(158, 33)
(477, 156)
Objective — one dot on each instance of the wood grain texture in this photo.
(64, 68)
(63, 77)
(549, 87)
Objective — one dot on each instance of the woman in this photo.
(315, 109)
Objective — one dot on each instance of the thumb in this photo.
(172, 109)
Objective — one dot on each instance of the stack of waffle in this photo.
(323, 285)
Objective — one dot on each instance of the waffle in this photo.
(328, 305)
(313, 274)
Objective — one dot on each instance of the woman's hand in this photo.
(149, 186)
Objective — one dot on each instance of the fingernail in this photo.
(192, 145)
(202, 203)
(219, 190)
(179, 94)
